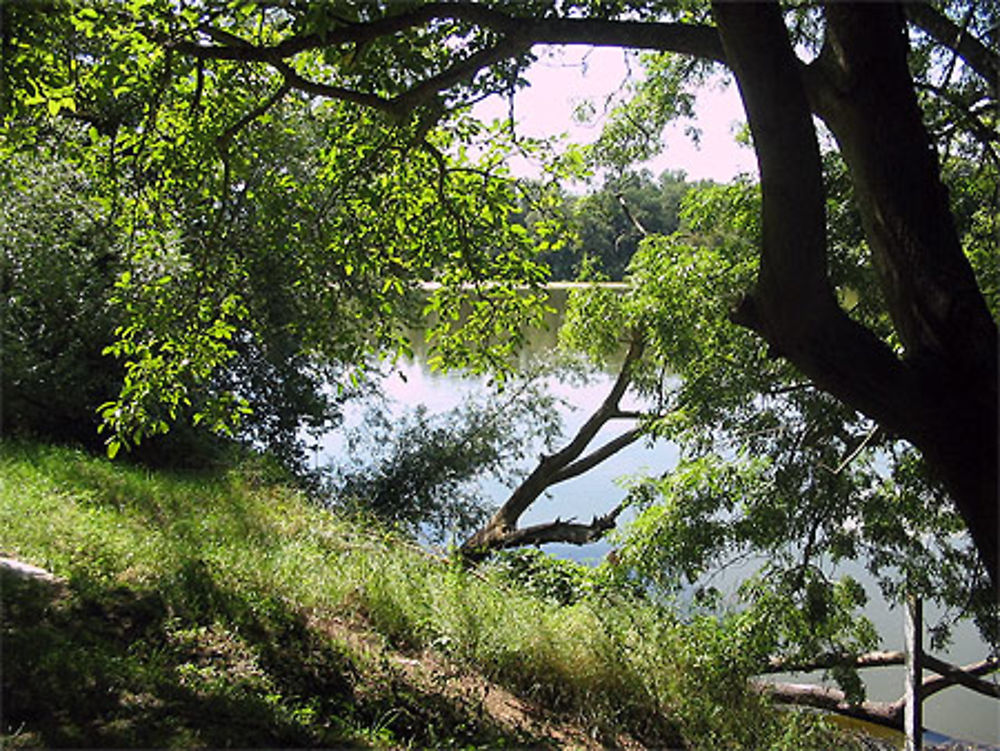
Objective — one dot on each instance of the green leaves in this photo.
(772, 471)
(169, 352)
(270, 242)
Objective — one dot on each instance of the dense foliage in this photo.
(252, 253)
(244, 203)
(773, 470)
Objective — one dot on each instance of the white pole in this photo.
(913, 626)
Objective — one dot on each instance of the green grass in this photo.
(194, 618)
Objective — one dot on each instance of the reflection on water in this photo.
(956, 712)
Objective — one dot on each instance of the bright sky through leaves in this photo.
(564, 78)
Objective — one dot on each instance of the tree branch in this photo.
(690, 39)
(461, 71)
(502, 527)
(826, 661)
(226, 137)
(293, 79)
(944, 31)
(950, 675)
(607, 410)
(855, 453)
(518, 34)
(560, 531)
(887, 714)
(630, 216)
(597, 456)
(793, 289)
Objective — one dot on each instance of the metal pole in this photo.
(913, 626)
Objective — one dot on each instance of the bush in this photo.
(59, 266)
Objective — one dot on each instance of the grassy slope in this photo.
(224, 610)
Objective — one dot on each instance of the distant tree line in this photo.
(606, 224)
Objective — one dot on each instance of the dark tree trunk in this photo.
(942, 394)
(868, 99)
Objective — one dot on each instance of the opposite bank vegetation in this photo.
(227, 609)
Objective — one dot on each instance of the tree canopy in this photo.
(303, 167)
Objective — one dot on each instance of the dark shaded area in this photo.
(117, 667)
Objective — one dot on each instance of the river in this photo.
(955, 712)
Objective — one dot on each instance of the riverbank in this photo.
(211, 610)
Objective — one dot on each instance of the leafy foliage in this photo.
(772, 470)
(59, 263)
(266, 243)
(424, 472)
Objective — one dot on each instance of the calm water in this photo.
(956, 712)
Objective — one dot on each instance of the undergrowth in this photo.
(193, 617)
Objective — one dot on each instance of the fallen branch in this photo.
(887, 714)
(950, 675)
(567, 531)
(826, 661)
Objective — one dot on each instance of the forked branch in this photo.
(502, 531)
(888, 714)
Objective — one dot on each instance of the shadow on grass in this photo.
(200, 667)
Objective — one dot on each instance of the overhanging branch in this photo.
(517, 33)
(690, 39)
(944, 31)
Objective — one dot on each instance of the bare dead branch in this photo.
(567, 531)
(854, 454)
(630, 216)
(597, 456)
(887, 714)
(967, 676)
(823, 662)
(502, 527)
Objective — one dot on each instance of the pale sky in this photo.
(571, 75)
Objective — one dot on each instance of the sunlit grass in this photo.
(235, 567)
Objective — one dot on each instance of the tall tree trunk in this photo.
(868, 99)
(942, 396)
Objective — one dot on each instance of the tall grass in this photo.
(235, 559)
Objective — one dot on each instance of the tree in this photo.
(57, 274)
(933, 383)
(607, 223)
(263, 243)
(773, 473)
